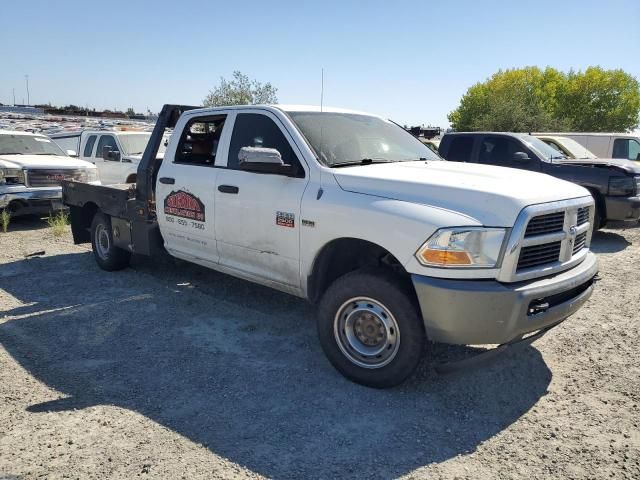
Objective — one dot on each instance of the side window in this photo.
(88, 148)
(499, 151)
(628, 148)
(460, 149)
(557, 147)
(199, 141)
(620, 148)
(256, 130)
(634, 150)
(106, 141)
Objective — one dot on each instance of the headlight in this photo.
(11, 176)
(637, 179)
(620, 186)
(92, 175)
(462, 247)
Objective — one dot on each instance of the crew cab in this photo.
(614, 183)
(31, 170)
(396, 246)
(116, 153)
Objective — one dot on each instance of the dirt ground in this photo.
(167, 370)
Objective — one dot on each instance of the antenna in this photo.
(322, 89)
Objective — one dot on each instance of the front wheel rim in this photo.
(103, 242)
(366, 332)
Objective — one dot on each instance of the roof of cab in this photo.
(285, 108)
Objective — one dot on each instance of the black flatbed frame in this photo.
(131, 206)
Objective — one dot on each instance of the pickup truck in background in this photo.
(625, 146)
(614, 184)
(31, 170)
(116, 153)
(396, 246)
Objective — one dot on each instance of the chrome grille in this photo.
(547, 238)
(548, 223)
(45, 177)
(536, 255)
(583, 215)
(581, 241)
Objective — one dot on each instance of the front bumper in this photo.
(623, 208)
(473, 312)
(23, 200)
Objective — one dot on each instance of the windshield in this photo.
(543, 149)
(574, 148)
(28, 145)
(135, 143)
(346, 138)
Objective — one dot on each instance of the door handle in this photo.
(167, 180)
(228, 189)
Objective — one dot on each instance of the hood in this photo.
(619, 163)
(42, 161)
(494, 196)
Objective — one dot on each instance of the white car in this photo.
(116, 153)
(31, 170)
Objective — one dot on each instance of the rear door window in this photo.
(88, 148)
(200, 139)
(460, 149)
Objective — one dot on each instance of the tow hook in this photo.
(538, 306)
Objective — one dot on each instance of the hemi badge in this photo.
(307, 223)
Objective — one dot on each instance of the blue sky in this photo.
(409, 61)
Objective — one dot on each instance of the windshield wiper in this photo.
(11, 153)
(364, 161)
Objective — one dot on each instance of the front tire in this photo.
(107, 255)
(370, 329)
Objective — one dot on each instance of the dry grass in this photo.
(58, 223)
(5, 218)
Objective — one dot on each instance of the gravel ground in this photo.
(167, 370)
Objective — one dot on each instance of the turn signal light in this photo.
(445, 257)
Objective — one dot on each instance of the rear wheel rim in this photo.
(103, 242)
(366, 332)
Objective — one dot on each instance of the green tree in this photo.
(531, 99)
(241, 91)
(130, 111)
(600, 100)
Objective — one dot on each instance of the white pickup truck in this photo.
(116, 153)
(31, 169)
(397, 246)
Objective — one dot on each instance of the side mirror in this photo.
(110, 155)
(71, 153)
(521, 157)
(263, 160)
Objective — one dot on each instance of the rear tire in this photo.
(370, 329)
(107, 255)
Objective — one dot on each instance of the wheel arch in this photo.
(601, 205)
(347, 254)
